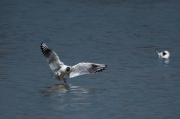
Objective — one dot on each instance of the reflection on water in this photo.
(67, 95)
(63, 88)
(51, 91)
(164, 61)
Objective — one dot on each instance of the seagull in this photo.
(61, 70)
(165, 54)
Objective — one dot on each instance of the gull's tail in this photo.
(156, 51)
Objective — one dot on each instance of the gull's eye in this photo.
(68, 69)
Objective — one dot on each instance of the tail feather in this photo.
(156, 50)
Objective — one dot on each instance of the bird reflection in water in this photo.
(61, 89)
(164, 61)
(50, 91)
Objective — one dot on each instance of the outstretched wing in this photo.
(52, 58)
(86, 68)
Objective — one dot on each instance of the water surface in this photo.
(121, 34)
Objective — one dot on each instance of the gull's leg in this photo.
(58, 77)
(64, 80)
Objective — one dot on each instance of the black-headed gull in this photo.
(165, 54)
(61, 70)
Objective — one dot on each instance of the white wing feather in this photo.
(85, 68)
(52, 58)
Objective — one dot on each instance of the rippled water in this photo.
(121, 34)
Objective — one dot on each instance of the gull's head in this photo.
(165, 54)
(68, 69)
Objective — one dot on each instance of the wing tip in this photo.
(41, 46)
(98, 69)
(104, 67)
(42, 43)
(45, 49)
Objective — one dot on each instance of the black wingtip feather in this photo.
(96, 69)
(45, 49)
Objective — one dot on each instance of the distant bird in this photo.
(165, 54)
(61, 70)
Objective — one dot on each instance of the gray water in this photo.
(122, 34)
